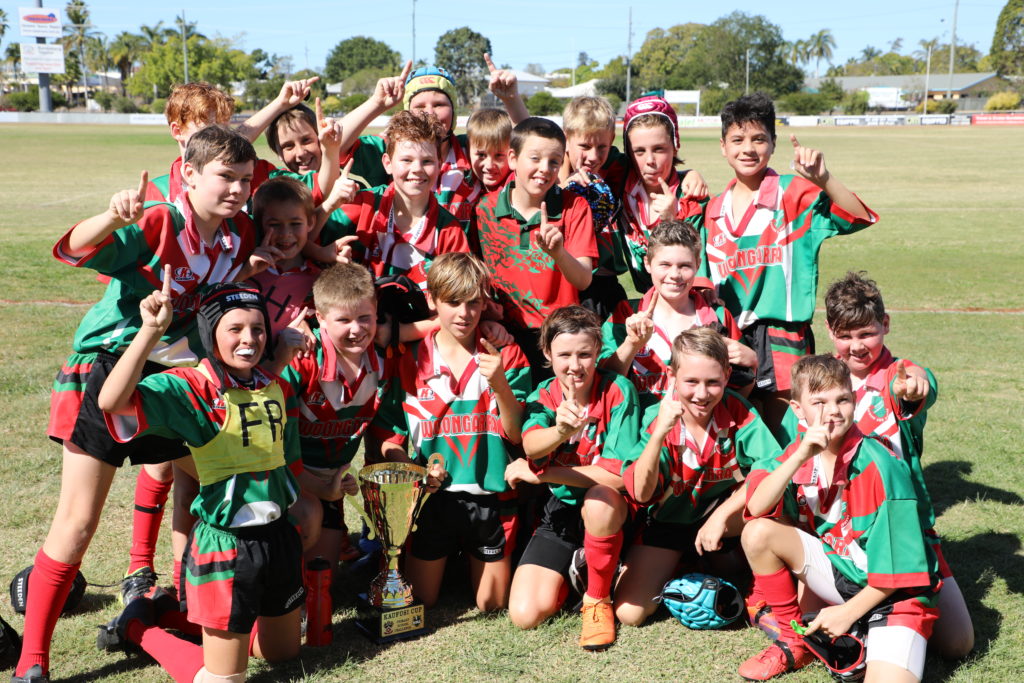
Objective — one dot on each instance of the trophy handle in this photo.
(434, 458)
(350, 499)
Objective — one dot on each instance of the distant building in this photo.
(969, 90)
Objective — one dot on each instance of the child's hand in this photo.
(436, 474)
(709, 537)
(390, 91)
(816, 437)
(908, 387)
(343, 249)
(519, 471)
(640, 325)
(295, 92)
(580, 176)
(264, 256)
(570, 416)
(810, 163)
(495, 333)
(833, 621)
(694, 186)
(670, 411)
(156, 309)
(491, 366)
(503, 83)
(348, 484)
(740, 354)
(329, 133)
(549, 237)
(664, 205)
(126, 207)
(344, 190)
(292, 340)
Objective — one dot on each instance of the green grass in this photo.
(950, 202)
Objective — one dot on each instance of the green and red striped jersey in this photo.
(693, 475)
(650, 372)
(436, 412)
(243, 440)
(334, 413)
(134, 257)
(524, 275)
(866, 516)
(765, 265)
(385, 251)
(607, 438)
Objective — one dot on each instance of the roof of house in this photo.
(937, 81)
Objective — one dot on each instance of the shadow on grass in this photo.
(93, 602)
(108, 670)
(948, 485)
(977, 562)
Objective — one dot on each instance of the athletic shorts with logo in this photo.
(482, 525)
(233, 577)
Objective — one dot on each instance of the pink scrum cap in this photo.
(651, 104)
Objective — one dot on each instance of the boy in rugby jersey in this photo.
(339, 387)
(212, 242)
(536, 238)
(458, 401)
(893, 399)
(243, 563)
(840, 512)
(761, 240)
(489, 132)
(580, 426)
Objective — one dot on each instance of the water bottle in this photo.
(319, 629)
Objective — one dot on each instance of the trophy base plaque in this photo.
(385, 625)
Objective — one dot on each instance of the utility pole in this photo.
(629, 58)
(927, 76)
(184, 43)
(414, 33)
(45, 101)
(746, 86)
(952, 53)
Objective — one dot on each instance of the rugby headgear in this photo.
(217, 300)
(428, 78)
(700, 601)
(19, 591)
(651, 104)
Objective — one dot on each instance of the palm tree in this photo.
(869, 54)
(895, 45)
(124, 51)
(796, 52)
(77, 34)
(154, 35)
(97, 55)
(189, 28)
(3, 24)
(820, 46)
(12, 55)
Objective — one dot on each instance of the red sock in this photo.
(150, 498)
(48, 588)
(602, 559)
(178, 657)
(779, 592)
(177, 580)
(179, 622)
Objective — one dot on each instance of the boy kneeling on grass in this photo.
(243, 562)
(838, 510)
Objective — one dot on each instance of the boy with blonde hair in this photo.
(489, 132)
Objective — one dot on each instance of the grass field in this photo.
(947, 254)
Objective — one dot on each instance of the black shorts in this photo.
(231, 578)
(481, 525)
(678, 537)
(334, 514)
(603, 295)
(88, 427)
(557, 537)
(778, 345)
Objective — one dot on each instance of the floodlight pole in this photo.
(746, 87)
(927, 76)
(629, 57)
(184, 43)
(952, 52)
(45, 99)
(414, 33)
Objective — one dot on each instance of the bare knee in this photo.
(604, 510)
(631, 615)
(526, 616)
(757, 536)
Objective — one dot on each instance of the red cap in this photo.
(651, 104)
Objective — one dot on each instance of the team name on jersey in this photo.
(750, 258)
(332, 429)
(453, 425)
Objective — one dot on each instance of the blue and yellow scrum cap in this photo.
(430, 78)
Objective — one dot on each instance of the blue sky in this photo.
(548, 32)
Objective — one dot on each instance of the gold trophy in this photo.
(393, 494)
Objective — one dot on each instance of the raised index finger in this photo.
(901, 370)
(649, 311)
(664, 186)
(792, 138)
(490, 63)
(821, 415)
(345, 171)
(488, 346)
(299, 318)
(405, 71)
(320, 123)
(143, 183)
(165, 289)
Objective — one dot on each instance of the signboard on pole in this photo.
(40, 22)
(42, 59)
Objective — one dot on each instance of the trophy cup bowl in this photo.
(393, 494)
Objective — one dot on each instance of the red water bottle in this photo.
(319, 629)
